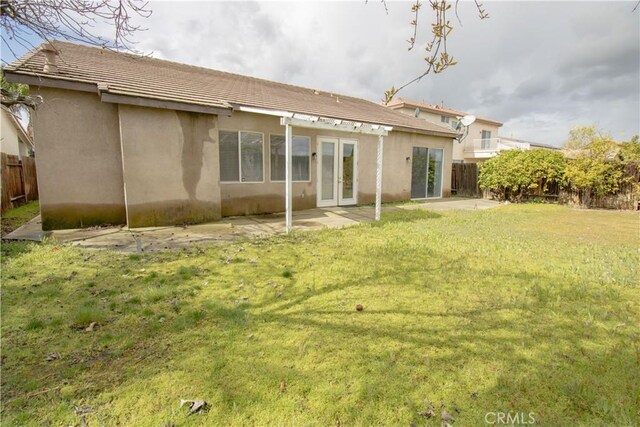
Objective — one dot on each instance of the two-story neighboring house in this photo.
(481, 142)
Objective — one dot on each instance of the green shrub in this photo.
(514, 174)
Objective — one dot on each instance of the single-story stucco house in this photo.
(127, 139)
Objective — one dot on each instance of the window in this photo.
(300, 157)
(454, 124)
(229, 163)
(241, 157)
(444, 119)
(485, 143)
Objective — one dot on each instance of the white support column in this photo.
(288, 179)
(379, 177)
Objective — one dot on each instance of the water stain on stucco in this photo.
(62, 216)
(261, 204)
(195, 132)
(171, 212)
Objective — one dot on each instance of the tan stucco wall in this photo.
(475, 131)
(249, 198)
(170, 166)
(78, 160)
(397, 169)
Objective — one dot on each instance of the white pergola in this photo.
(290, 120)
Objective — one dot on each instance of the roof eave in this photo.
(60, 82)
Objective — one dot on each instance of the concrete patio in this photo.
(151, 239)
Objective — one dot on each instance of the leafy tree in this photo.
(630, 150)
(16, 94)
(594, 171)
(590, 142)
(514, 174)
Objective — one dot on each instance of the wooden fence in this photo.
(464, 179)
(19, 181)
(627, 196)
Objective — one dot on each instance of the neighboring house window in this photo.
(444, 119)
(454, 124)
(300, 157)
(486, 139)
(241, 157)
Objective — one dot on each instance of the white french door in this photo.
(337, 172)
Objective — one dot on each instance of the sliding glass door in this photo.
(434, 180)
(426, 173)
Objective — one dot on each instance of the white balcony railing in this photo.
(487, 147)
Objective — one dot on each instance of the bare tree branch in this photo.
(74, 20)
(438, 58)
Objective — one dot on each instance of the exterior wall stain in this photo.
(172, 212)
(171, 166)
(194, 138)
(261, 204)
(77, 215)
(370, 198)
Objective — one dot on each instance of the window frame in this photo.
(308, 157)
(445, 119)
(240, 181)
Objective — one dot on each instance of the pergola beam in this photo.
(314, 122)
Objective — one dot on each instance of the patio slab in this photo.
(151, 239)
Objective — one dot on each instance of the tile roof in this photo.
(402, 102)
(146, 77)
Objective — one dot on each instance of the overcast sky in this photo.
(539, 67)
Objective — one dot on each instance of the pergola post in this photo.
(379, 177)
(288, 179)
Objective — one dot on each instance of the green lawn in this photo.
(14, 218)
(522, 308)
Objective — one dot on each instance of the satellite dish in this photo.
(467, 120)
(417, 112)
(464, 122)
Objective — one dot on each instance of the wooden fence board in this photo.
(19, 181)
(30, 178)
(464, 179)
